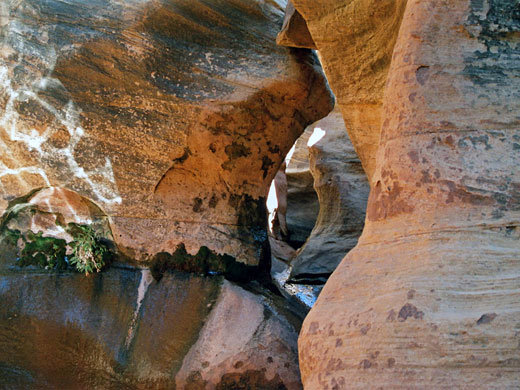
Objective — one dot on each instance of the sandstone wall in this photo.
(355, 39)
(171, 116)
(122, 329)
(342, 188)
(430, 296)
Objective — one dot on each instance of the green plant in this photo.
(45, 252)
(88, 253)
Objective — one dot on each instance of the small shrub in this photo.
(88, 253)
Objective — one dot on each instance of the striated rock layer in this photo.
(171, 116)
(355, 39)
(430, 297)
(342, 188)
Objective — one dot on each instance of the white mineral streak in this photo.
(146, 280)
(99, 182)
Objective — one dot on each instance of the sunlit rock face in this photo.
(429, 298)
(355, 39)
(342, 188)
(171, 116)
(121, 329)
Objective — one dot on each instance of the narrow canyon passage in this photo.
(138, 143)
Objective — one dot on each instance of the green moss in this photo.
(89, 253)
(44, 252)
(204, 262)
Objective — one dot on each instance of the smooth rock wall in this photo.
(121, 329)
(430, 297)
(342, 188)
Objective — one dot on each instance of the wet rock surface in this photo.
(121, 329)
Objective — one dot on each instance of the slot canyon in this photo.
(259, 194)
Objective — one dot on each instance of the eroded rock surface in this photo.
(171, 116)
(355, 39)
(429, 297)
(342, 188)
(122, 329)
(302, 201)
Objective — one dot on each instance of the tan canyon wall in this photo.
(430, 297)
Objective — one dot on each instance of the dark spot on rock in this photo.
(236, 150)
(408, 311)
(194, 381)
(466, 194)
(197, 204)
(364, 330)
(234, 200)
(390, 362)
(414, 156)
(269, 359)
(391, 316)
(426, 177)
(462, 144)
(422, 74)
(335, 364)
(385, 204)
(274, 149)
(410, 294)
(267, 163)
(213, 201)
(365, 364)
(238, 364)
(412, 97)
(250, 380)
(339, 343)
(314, 327)
(184, 157)
(212, 148)
(205, 364)
(486, 318)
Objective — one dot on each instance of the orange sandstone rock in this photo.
(430, 296)
(171, 116)
(355, 39)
